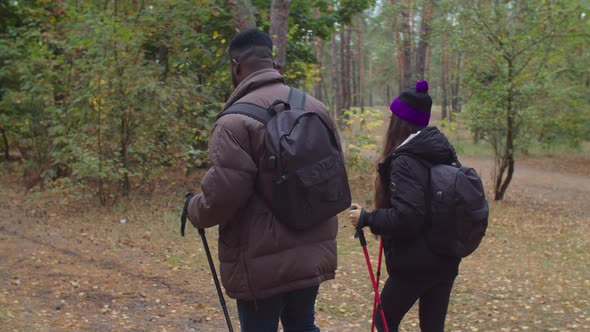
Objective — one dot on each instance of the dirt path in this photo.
(64, 270)
(67, 268)
(54, 278)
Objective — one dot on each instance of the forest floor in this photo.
(68, 265)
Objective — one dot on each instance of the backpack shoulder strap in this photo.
(296, 99)
(251, 110)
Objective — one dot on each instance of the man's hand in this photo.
(187, 199)
(354, 214)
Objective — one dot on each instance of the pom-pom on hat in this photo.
(413, 104)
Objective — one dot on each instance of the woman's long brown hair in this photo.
(397, 132)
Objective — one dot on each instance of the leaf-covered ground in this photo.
(66, 265)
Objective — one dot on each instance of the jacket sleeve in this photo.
(405, 218)
(228, 184)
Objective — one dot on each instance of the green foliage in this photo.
(360, 143)
(522, 59)
(514, 63)
(110, 94)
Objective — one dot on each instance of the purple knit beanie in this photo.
(413, 104)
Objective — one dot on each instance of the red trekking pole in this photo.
(377, 306)
(378, 276)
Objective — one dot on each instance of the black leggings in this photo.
(399, 295)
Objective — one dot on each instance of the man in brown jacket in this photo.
(272, 271)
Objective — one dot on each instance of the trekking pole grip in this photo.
(360, 235)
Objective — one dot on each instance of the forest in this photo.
(103, 95)
(107, 107)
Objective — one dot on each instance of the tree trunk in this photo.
(243, 14)
(336, 82)
(123, 155)
(361, 66)
(398, 50)
(405, 68)
(370, 92)
(456, 82)
(444, 76)
(354, 77)
(6, 146)
(318, 87)
(423, 44)
(412, 9)
(506, 160)
(345, 65)
(346, 79)
(279, 28)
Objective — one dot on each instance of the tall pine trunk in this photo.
(444, 77)
(345, 68)
(406, 51)
(279, 28)
(456, 84)
(336, 82)
(319, 86)
(422, 53)
(361, 66)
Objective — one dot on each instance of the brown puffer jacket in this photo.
(259, 256)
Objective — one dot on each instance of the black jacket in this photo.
(402, 225)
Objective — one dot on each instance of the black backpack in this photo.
(302, 174)
(457, 207)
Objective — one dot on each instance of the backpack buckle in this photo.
(272, 162)
(282, 179)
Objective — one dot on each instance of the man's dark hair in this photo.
(250, 38)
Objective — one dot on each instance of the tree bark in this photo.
(319, 86)
(123, 154)
(345, 62)
(506, 160)
(279, 28)
(346, 81)
(398, 50)
(405, 60)
(243, 14)
(319, 51)
(336, 82)
(444, 75)
(6, 146)
(370, 92)
(361, 66)
(424, 43)
(456, 84)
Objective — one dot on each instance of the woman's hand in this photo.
(354, 214)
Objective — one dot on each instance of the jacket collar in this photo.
(253, 82)
(431, 145)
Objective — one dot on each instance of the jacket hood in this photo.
(253, 82)
(431, 145)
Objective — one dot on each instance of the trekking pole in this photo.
(219, 292)
(378, 277)
(361, 236)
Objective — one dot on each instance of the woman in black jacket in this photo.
(415, 272)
